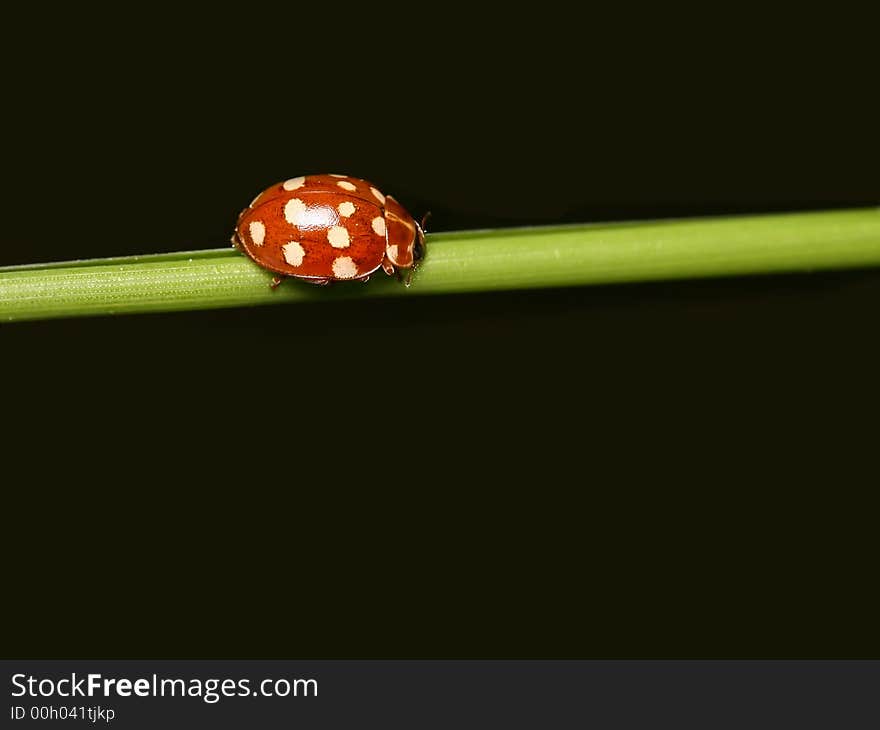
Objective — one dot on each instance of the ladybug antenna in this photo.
(421, 248)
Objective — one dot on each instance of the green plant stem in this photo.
(469, 261)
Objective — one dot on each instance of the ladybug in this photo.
(323, 228)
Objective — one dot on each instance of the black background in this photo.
(674, 469)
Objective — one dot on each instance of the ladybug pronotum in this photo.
(323, 228)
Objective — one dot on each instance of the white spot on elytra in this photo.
(346, 185)
(338, 237)
(333, 174)
(346, 209)
(294, 210)
(317, 217)
(393, 253)
(377, 195)
(379, 225)
(293, 253)
(344, 268)
(258, 232)
(294, 183)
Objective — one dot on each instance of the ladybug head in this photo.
(405, 237)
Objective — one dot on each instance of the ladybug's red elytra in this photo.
(323, 228)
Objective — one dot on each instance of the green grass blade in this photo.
(468, 261)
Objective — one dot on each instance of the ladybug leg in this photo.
(318, 282)
(387, 266)
(364, 279)
(276, 282)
